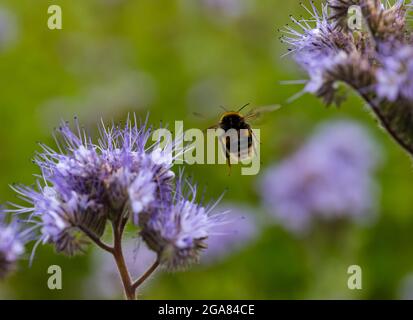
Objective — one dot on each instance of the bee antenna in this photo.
(223, 108)
(245, 105)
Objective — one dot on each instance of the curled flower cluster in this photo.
(328, 178)
(376, 61)
(86, 185)
(11, 247)
(178, 229)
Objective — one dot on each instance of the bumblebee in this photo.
(241, 137)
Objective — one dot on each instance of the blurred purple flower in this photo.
(8, 28)
(406, 288)
(227, 238)
(329, 177)
(395, 76)
(230, 8)
(11, 247)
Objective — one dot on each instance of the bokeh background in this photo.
(175, 58)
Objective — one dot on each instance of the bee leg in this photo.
(229, 166)
(254, 140)
(255, 137)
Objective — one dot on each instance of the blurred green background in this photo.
(173, 58)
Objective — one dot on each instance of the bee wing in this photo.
(257, 113)
(198, 115)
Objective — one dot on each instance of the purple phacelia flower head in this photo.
(142, 192)
(11, 247)
(329, 177)
(313, 44)
(327, 54)
(62, 218)
(368, 49)
(178, 229)
(135, 174)
(375, 60)
(85, 184)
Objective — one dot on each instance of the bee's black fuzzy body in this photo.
(235, 121)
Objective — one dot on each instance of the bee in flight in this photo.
(238, 140)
